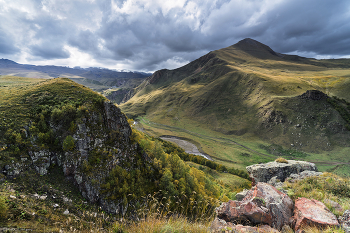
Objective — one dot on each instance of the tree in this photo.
(166, 182)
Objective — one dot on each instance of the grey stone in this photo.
(241, 195)
(302, 175)
(345, 221)
(265, 172)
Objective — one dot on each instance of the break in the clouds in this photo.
(147, 35)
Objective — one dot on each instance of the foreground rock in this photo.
(278, 171)
(345, 221)
(263, 204)
(313, 213)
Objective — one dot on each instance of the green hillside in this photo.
(250, 94)
(59, 140)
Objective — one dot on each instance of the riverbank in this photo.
(186, 145)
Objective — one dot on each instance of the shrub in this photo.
(281, 160)
(68, 143)
(3, 208)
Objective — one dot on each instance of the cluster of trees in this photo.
(166, 174)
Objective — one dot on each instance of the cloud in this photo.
(147, 35)
(49, 51)
(6, 46)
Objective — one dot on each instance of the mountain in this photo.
(249, 92)
(98, 79)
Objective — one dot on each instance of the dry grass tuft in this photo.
(281, 160)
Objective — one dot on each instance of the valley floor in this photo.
(239, 152)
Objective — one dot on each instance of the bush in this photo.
(281, 160)
(68, 143)
(3, 208)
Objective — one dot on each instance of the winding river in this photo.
(186, 145)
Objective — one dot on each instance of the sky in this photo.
(148, 35)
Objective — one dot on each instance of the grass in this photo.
(281, 160)
(179, 225)
(27, 211)
(327, 186)
(15, 104)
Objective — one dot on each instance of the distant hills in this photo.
(249, 91)
(98, 79)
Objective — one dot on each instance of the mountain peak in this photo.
(7, 61)
(254, 47)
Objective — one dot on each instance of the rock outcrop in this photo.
(99, 134)
(281, 171)
(313, 213)
(263, 204)
(264, 208)
(313, 95)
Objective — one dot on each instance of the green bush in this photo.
(68, 143)
(3, 208)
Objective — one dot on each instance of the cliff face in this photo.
(100, 141)
(106, 143)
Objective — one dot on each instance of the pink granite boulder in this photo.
(312, 213)
(263, 204)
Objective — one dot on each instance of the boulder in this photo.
(239, 196)
(345, 221)
(265, 172)
(333, 204)
(312, 213)
(263, 204)
(302, 175)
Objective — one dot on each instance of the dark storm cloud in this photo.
(149, 34)
(6, 45)
(49, 50)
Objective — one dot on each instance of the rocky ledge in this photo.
(278, 171)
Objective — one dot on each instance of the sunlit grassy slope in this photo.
(249, 93)
(17, 93)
